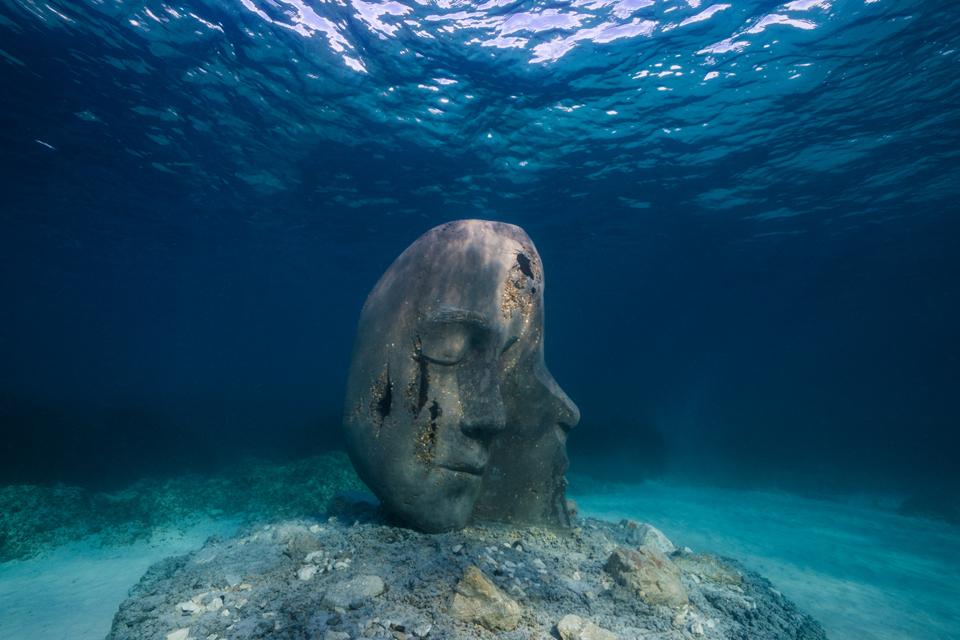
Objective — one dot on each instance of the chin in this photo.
(446, 509)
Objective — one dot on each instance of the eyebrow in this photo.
(448, 314)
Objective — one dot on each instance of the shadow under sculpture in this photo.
(450, 411)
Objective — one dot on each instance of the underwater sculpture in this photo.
(450, 411)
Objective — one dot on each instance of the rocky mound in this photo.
(341, 579)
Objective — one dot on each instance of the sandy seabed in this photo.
(863, 572)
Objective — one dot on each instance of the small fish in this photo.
(46, 144)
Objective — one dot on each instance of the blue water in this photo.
(747, 213)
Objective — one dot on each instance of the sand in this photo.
(864, 572)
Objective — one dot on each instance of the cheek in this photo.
(437, 408)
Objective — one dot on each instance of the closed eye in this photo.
(450, 335)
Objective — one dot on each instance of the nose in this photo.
(483, 412)
(566, 413)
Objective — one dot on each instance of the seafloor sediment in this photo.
(354, 576)
(34, 518)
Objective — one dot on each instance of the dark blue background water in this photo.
(747, 213)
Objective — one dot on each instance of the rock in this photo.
(351, 594)
(649, 574)
(336, 635)
(644, 535)
(190, 607)
(478, 600)
(307, 571)
(708, 568)
(179, 634)
(573, 627)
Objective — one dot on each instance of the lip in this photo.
(472, 470)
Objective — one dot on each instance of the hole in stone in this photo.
(423, 385)
(524, 263)
(422, 381)
(385, 402)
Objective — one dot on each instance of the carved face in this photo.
(448, 362)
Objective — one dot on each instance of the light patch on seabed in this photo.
(864, 573)
(71, 592)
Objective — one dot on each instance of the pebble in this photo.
(307, 572)
(649, 574)
(352, 593)
(179, 634)
(478, 600)
(642, 534)
(573, 627)
(190, 607)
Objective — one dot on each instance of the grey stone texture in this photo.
(548, 574)
(450, 411)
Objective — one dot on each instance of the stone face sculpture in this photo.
(450, 411)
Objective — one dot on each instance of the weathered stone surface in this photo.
(478, 600)
(642, 534)
(573, 627)
(351, 594)
(450, 411)
(708, 568)
(649, 574)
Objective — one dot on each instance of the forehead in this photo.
(464, 271)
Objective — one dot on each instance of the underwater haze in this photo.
(747, 213)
